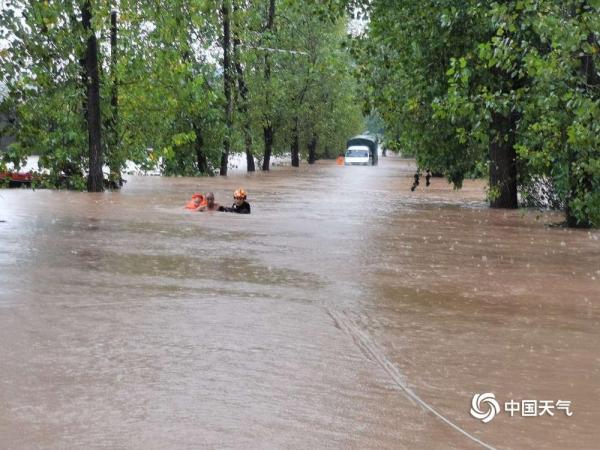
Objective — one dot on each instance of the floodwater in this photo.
(344, 312)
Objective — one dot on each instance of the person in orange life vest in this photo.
(196, 201)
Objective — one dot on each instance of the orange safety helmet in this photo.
(240, 193)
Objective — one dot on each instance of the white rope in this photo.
(367, 344)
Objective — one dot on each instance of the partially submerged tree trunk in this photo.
(243, 90)
(312, 149)
(227, 84)
(268, 138)
(201, 160)
(503, 162)
(92, 84)
(268, 126)
(295, 149)
(248, 145)
(113, 123)
(295, 146)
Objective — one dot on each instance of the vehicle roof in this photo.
(364, 136)
(363, 140)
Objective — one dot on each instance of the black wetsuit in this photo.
(244, 208)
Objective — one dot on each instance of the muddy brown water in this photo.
(339, 314)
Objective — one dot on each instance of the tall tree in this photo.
(173, 81)
(268, 132)
(113, 155)
(227, 84)
(242, 89)
(92, 113)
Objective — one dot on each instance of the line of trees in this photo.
(94, 83)
(508, 89)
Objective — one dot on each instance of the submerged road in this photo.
(345, 312)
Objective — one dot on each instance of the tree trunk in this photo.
(113, 124)
(312, 149)
(268, 137)
(248, 144)
(298, 101)
(268, 127)
(227, 82)
(503, 162)
(295, 146)
(199, 148)
(92, 84)
(571, 219)
(243, 90)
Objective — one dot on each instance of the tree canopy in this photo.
(508, 90)
(511, 89)
(162, 79)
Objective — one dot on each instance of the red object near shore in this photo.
(17, 179)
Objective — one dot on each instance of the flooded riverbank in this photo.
(333, 316)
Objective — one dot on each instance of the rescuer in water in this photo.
(240, 205)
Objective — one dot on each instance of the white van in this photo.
(357, 155)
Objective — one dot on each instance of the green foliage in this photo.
(311, 88)
(405, 58)
(42, 74)
(439, 70)
(168, 78)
